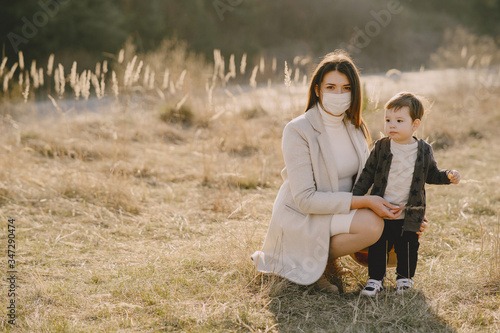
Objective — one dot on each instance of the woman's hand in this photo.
(384, 208)
(379, 205)
(424, 225)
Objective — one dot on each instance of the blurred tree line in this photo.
(380, 34)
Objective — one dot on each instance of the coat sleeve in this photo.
(434, 174)
(299, 166)
(367, 177)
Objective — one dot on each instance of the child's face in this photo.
(399, 126)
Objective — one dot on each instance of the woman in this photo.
(315, 217)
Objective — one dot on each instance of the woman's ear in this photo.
(316, 89)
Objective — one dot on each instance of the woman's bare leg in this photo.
(366, 228)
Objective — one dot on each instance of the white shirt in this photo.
(401, 173)
(346, 158)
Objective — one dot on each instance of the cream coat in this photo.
(298, 239)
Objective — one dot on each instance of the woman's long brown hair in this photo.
(341, 62)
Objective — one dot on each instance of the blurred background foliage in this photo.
(86, 30)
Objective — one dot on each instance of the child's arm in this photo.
(365, 181)
(434, 174)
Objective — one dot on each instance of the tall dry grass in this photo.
(142, 216)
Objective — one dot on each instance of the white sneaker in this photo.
(404, 285)
(373, 288)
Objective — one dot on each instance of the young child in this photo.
(398, 168)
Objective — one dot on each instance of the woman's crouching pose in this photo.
(316, 219)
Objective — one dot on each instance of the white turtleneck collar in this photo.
(330, 120)
(404, 148)
(346, 158)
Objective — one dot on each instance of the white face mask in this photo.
(336, 104)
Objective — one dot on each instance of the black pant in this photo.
(406, 246)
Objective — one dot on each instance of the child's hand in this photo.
(424, 225)
(397, 210)
(382, 207)
(453, 176)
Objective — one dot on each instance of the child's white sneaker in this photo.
(373, 288)
(404, 285)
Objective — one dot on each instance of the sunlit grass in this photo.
(128, 220)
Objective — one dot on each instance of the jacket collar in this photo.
(316, 120)
(313, 115)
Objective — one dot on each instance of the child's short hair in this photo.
(407, 99)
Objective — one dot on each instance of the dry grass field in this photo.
(140, 217)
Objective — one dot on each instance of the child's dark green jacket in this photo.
(376, 173)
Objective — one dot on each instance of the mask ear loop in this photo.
(348, 111)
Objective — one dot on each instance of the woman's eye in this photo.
(347, 89)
